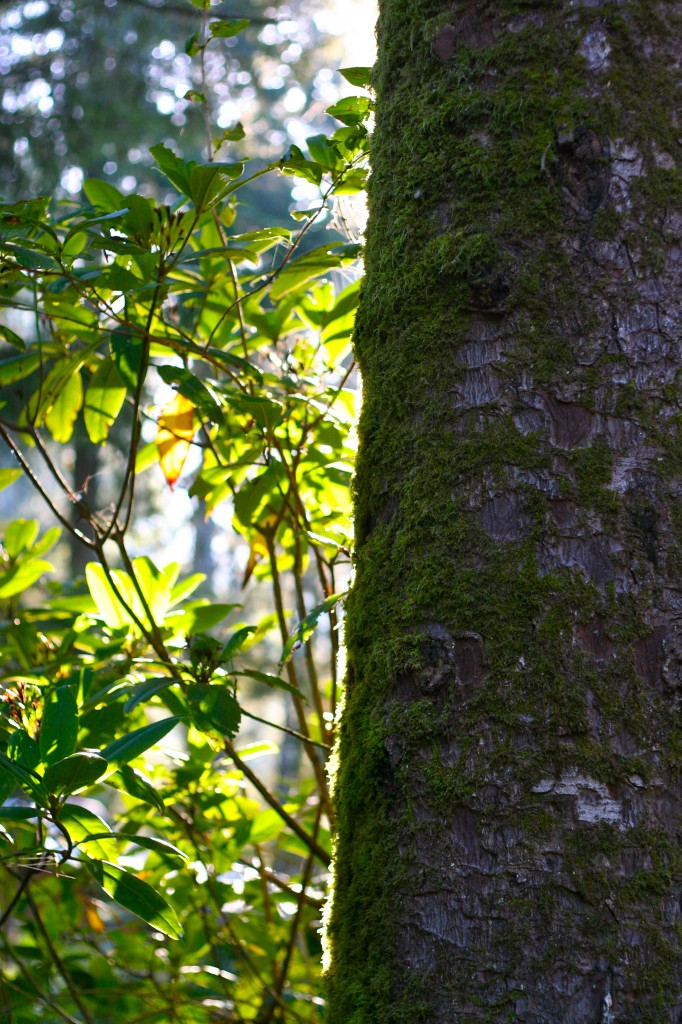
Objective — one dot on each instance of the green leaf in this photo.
(18, 813)
(74, 772)
(136, 896)
(307, 626)
(126, 350)
(62, 415)
(236, 642)
(175, 169)
(12, 337)
(59, 727)
(139, 220)
(325, 153)
(108, 605)
(186, 587)
(47, 541)
(104, 399)
(310, 265)
(207, 182)
(275, 682)
(23, 749)
(27, 779)
(192, 45)
(32, 259)
(265, 826)
(160, 846)
(224, 28)
(191, 387)
(198, 617)
(357, 76)
(82, 824)
(233, 134)
(352, 110)
(214, 707)
(135, 743)
(75, 244)
(18, 367)
(137, 785)
(20, 577)
(149, 688)
(8, 476)
(103, 196)
(19, 535)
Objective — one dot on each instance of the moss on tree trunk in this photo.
(508, 788)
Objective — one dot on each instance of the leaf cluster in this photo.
(126, 791)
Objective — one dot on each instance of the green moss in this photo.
(468, 242)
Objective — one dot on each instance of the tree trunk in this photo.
(508, 789)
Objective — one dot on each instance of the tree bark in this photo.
(508, 788)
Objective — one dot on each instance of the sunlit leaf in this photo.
(59, 727)
(137, 785)
(8, 476)
(61, 417)
(18, 367)
(136, 896)
(81, 824)
(214, 707)
(357, 76)
(107, 603)
(307, 626)
(22, 576)
(174, 437)
(74, 772)
(128, 747)
(104, 398)
(19, 535)
(224, 28)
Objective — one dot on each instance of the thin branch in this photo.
(317, 767)
(286, 729)
(58, 962)
(284, 971)
(297, 829)
(17, 896)
(41, 490)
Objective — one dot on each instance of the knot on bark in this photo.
(445, 658)
(584, 169)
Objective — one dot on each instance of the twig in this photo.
(297, 829)
(58, 962)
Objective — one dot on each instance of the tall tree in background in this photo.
(509, 785)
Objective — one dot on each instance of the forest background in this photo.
(178, 256)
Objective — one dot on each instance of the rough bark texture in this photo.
(509, 788)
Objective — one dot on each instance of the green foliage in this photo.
(126, 794)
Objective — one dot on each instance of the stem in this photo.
(291, 672)
(287, 730)
(309, 841)
(281, 980)
(58, 962)
(302, 612)
(23, 885)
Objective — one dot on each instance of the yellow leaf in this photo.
(257, 551)
(95, 922)
(174, 437)
(259, 547)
